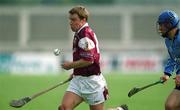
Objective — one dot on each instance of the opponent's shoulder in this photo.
(178, 39)
(167, 41)
(178, 35)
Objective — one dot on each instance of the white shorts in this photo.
(92, 89)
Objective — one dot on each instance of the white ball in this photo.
(56, 52)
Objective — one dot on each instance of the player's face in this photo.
(75, 22)
(162, 29)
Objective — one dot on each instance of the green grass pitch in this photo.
(15, 87)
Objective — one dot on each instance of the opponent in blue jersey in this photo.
(168, 27)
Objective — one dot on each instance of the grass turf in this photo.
(15, 87)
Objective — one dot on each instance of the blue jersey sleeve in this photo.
(169, 67)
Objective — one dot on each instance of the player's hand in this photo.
(177, 80)
(164, 77)
(66, 65)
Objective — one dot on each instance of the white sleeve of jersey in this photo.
(86, 43)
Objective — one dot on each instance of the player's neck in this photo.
(82, 26)
(172, 33)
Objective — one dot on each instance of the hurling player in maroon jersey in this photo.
(87, 84)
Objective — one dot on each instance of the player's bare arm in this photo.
(76, 64)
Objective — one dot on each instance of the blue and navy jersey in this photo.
(173, 47)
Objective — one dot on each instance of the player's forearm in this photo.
(76, 64)
(81, 63)
(169, 67)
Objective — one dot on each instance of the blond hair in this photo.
(81, 11)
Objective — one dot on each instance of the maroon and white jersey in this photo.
(85, 46)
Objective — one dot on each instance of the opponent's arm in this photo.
(168, 69)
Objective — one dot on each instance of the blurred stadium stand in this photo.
(62, 2)
(117, 27)
(123, 27)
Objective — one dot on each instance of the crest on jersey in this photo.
(86, 44)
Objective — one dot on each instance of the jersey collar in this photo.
(86, 24)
